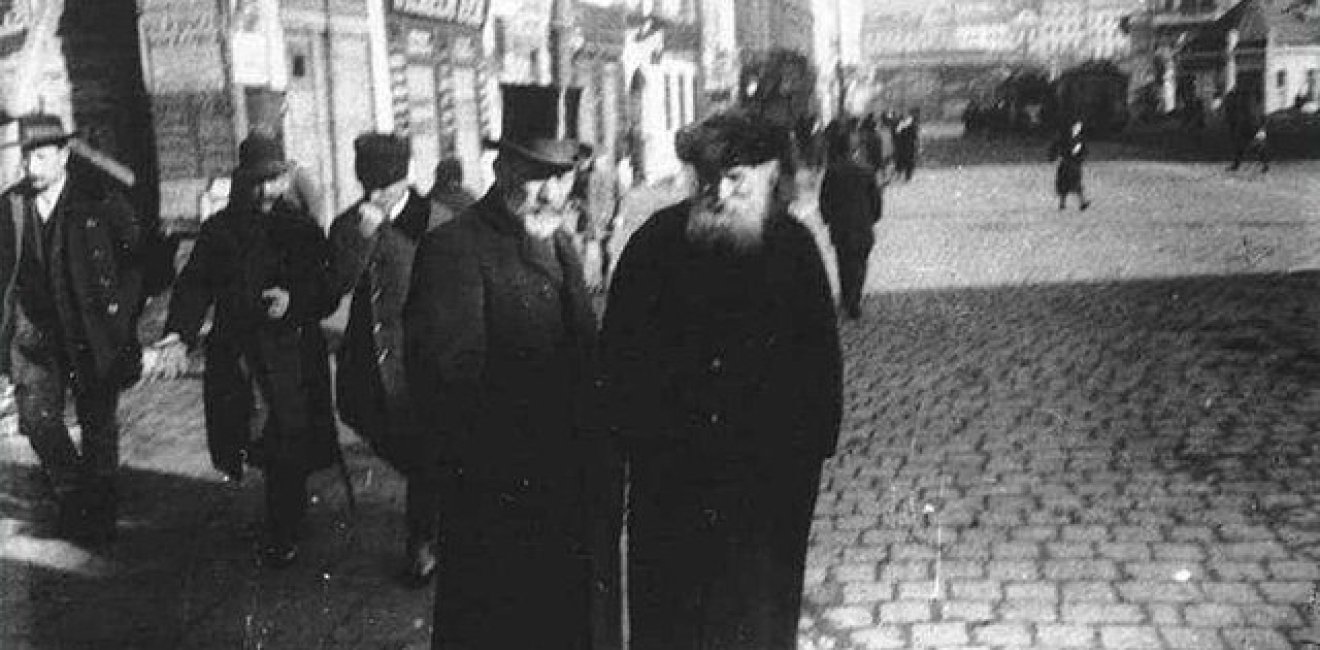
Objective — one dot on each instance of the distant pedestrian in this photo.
(449, 197)
(372, 245)
(500, 339)
(598, 206)
(907, 137)
(263, 266)
(851, 202)
(72, 252)
(722, 373)
(1246, 128)
(1070, 150)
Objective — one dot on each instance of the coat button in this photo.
(384, 354)
(112, 308)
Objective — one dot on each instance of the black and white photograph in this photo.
(660, 324)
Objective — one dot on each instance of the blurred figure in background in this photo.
(448, 195)
(1070, 150)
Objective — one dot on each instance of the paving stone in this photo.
(953, 569)
(1077, 569)
(926, 589)
(1272, 616)
(1124, 551)
(1285, 570)
(1031, 591)
(1084, 533)
(879, 638)
(1231, 592)
(1020, 570)
(1002, 634)
(862, 572)
(1163, 571)
(1065, 636)
(849, 618)
(1235, 571)
(1071, 550)
(1090, 591)
(867, 592)
(1164, 614)
(1180, 552)
(1289, 592)
(1128, 637)
(1152, 591)
(905, 571)
(1089, 612)
(976, 590)
(967, 610)
(1191, 638)
(939, 635)
(1255, 639)
(905, 611)
(1213, 615)
(1250, 551)
(1036, 611)
(1192, 534)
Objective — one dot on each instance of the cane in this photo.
(348, 481)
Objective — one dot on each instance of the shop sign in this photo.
(471, 13)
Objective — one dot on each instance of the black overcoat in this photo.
(238, 254)
(499, 337)
(723, 379)
(370, 383)
(102, 241)
(850, 203)
(1071, 151)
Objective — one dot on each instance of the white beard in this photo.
(542, 225)
(739, 226)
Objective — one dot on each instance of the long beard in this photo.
(736, 226)
(542, 225)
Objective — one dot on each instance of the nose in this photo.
(729, 187)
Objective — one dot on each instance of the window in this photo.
(1310, 84)
(1281, 78)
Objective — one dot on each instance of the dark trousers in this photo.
(852, 250)
(717, 550)
(86, 474)
(1245, 146)
(422, 505)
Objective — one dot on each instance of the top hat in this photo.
(381, 159)
(261, 156)
(540, 123)
(40, 129)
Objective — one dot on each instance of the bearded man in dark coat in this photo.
(722, 374)
(373, 244)
(72, 253)
(263, 264)
(499, 338)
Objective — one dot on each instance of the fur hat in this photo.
(381, 159)
(729, 139)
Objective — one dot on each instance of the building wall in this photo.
(1299, 68)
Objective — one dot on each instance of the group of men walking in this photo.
(473, 362)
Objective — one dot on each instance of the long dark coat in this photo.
(499, 337)
(104, 244)
(722, 374)
(371, 386)
(238, 254)
(1071, 151)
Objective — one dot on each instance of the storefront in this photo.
(438, 80)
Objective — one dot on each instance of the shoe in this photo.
(1084, 206)
(854, 313)
(422, 564)
(278, 554)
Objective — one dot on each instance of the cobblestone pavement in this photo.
(1064, 430)
(1079, 429)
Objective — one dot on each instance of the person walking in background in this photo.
(448, 196)
(907, 136)
(499, 346)
(851, 202)
(372, 246)
(71, 263)
(600, 204)
(263, 265)
(1070, 150)
(722, 373)
(1246, 128)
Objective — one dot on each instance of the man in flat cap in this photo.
(373, 243)
(263, 265)
(499, 337)
(71, 264)
(721, 367)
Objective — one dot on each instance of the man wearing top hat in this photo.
(264, 267)
(499, 335)
(722, 370)
(71, 264)
(372, 247)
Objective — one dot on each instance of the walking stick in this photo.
(348, 481)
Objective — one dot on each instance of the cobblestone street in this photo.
(1063, 430)
(1090, 430)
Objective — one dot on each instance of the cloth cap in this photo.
(381, 159)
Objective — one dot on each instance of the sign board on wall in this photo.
(192, 112)
(471, 13)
